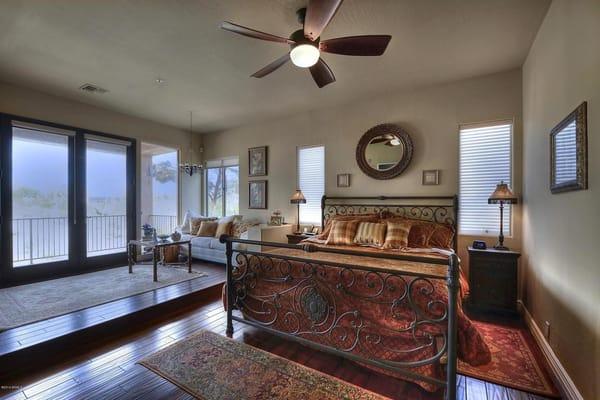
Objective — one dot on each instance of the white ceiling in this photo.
(124, 45)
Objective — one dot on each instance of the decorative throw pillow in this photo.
(419, 234)
(223, 228)
(370, 234)
(207, 228)
(397, 234)
(442, 237)
(342, 232)
(196, 221)
(350, 217)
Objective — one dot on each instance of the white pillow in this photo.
(187, 221)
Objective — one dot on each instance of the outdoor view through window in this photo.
(40, 174)
(159, 187)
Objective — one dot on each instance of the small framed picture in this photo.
(257, 195)
(431, 177)
(257, 161)
(343, 180)
(276, 220)
(315, 230)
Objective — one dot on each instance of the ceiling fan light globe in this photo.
(305, 55)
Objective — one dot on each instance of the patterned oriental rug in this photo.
(516, 362)
(213, 367)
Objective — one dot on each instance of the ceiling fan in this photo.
(306, 44)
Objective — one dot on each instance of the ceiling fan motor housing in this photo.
(299, 38)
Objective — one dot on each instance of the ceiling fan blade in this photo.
(242, 30)
(318, 15)
(321, 73)
(272, 67)
(368, 45)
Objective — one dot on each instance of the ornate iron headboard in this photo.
(439, 209)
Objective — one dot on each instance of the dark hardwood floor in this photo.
(104, 367)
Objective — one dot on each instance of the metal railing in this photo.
(106, 233)
(163, 223)
(37, 240)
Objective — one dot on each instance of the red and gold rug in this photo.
(213, 367)
(516, 361)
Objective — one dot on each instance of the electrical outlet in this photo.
(547, 330)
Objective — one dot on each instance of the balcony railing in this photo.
(40, 240)
(163, 223)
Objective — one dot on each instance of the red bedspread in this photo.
(388, 314)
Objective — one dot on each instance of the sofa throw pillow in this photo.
(397, 234)
(370, 234)
(207, 228)
(342, 232)
(223, 228)
(195, 223)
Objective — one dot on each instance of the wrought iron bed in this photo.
(318, 287)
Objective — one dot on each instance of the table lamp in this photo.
(298, 198)
(502, 195)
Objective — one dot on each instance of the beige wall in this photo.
(28, 103)
(561, 231)
(431, 116)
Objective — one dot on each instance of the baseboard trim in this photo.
(561, 377)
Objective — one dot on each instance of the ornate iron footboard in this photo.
(312, 295)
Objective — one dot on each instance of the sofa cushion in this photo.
(215, 244)
(201, 241)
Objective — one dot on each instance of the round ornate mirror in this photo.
(384, 151)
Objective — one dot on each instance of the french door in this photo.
(67, 199)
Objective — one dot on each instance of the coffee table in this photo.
(156, 247)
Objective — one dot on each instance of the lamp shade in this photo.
(502, 194)
(297, 197)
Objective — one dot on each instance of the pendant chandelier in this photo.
(189, 167)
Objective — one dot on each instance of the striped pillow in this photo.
(370, 234)
(342, 232)
(397, 235)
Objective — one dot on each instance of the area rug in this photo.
(516, 362)
(212, 367)
(20, 305)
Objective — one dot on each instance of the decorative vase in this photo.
(175, 236)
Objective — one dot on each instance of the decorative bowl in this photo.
(175, 236)
(163, 237)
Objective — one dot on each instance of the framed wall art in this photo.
(258, 195)
(257, 161)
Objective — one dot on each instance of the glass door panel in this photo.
(40, 197)
(106, 197)
(232, 190)
(160, 193)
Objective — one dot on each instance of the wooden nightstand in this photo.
(295, 238)
(493, 280)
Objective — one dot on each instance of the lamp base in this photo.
(501, 248)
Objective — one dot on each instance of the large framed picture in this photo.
(257, 195)
(257, 161)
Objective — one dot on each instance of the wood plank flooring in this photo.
(105, 367)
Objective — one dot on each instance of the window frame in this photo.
(223, 166)
(298, 148)
(482, 124)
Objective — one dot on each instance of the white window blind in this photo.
(485, 160)
(311, 181)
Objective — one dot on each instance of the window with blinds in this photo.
(485, 160)
(311, 181)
